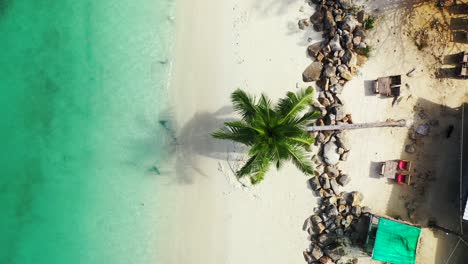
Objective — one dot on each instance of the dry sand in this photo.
(256, 45)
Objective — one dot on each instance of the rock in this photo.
(344, 179)
(312, 72)
(336, 252)
(342, 68)
(324, 101)
(341, 208)
(303, 23)
(335, 44)
(356, 210)
(320, 56)
(326, 239)
(348, 57)
(316, 18)
(334, 186)
(314, 183)
(332, 210)
(347, 75)
(349, 23)
(346, 4)
(365, 210)
(316, 252)
(344, 156)
(336, 89)
(340, 151)
(329, 153)
(325, 182)
(326, 260)
(332, 172)
(314, 49)
(318, 27)
(339, 112)
(355, 198)
(316, 219)
(361, 16)
(319, 228)
(326, 49)
(434, 122)
(423, 130)
(329, 71)
(332, 200)
(342, 201)
(411, 148)
(307, 257)
(358, 32)
(356, 40)
(329, 119)
(328, 20)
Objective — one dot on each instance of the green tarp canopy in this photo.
(395, 242)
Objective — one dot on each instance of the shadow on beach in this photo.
(435, 189)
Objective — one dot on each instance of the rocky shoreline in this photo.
(333, 228)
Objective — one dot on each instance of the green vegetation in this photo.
(273, 133)
(365, 51)
(369, 23)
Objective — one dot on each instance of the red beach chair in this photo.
(403, 178)
(404, 165)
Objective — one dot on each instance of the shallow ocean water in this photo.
(84, 86)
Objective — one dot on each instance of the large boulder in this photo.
(329, 71)
(330, 154)
(312, 72)
(335, 43)
(329, 20)
(346, 4)
(349, 23)
(314, 49)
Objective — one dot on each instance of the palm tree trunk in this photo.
(399, 123)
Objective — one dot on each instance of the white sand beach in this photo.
(256, 45)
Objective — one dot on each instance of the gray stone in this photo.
(339, 112)
(314, 49)
(333, 80)
(344, 156)
(361, 16)
(316, 219)
(307, 257)
(344, 179)
(342, 68)
(329, 71)
(346, 4)
(332, 171)
(312, 72)
(317, 17)
(329, 153)
(340, 151)
(334, 186)
(303, 23)
(329, 21)
(337, 88)
(314, 183)
(349, 23)
(335, 44)
(332, 211)
(411, 148)
(326, 239)
(423, 130)
(348, 57)
(316, 252)
(325, 182)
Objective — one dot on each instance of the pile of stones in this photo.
(335, 58)
(333, 226)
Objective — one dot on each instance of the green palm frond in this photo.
(273, 133)
(244, 104)
(300, 159)
(294, 103)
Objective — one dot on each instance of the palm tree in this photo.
(273, 133)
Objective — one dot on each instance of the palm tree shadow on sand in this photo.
(194, 139)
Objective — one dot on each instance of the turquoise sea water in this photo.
(83, 85)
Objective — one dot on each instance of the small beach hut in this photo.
(392, 241)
